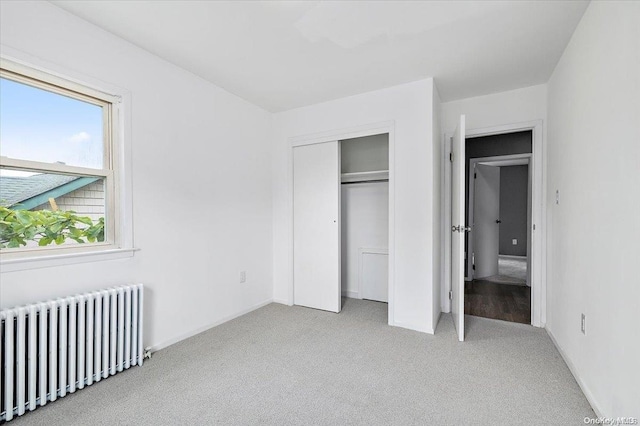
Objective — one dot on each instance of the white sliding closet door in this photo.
(316, 226)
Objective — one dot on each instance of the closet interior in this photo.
(364, 165)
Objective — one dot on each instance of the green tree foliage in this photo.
(18, 227)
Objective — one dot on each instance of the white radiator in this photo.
(53, 348)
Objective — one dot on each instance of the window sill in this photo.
(36, 262)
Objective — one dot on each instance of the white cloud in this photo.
(80, 137)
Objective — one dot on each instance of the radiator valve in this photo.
(147, 353)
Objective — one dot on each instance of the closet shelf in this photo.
(365, 176)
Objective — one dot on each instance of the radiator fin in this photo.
(52, 348)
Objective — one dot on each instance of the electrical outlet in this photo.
(243, 276)
(514, 241)
(583, 324)
(557, 196)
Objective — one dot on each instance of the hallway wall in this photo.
(514, 192)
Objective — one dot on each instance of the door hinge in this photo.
(450, 295)
(475, 176)
(451, 157)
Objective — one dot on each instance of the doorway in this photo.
(498, 280)
(456, 225)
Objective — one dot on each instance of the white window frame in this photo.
(116, 243)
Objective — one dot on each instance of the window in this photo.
(58, 189)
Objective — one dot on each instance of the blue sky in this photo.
(42, 126)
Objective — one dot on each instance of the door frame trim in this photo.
(538, 217)
(385, 127)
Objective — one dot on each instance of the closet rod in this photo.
(365, 181)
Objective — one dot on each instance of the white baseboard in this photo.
(351, 294)
(282, 301)
(587, 393)
(415, 327)
(199, 330)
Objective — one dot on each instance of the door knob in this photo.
(461, 228)
(498, 221)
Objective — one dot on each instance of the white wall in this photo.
(514, 106)
(594, 161)
(511, 107)
(367, 154)
(438, 207)
(365, 224)
(409, 106)
(201, 180)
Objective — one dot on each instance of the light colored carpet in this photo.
(513, 267)
(284, 365)
(510, 271)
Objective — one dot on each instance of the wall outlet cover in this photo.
(514, 242)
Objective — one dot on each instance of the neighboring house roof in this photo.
(26, 193)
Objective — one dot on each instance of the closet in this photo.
(341, 221)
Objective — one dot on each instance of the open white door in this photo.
(458, 227)
(316, 226)
(486, 219)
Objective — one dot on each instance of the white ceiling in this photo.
(283, 55)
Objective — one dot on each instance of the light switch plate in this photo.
(514, 242)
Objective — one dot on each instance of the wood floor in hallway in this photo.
(498, 301)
